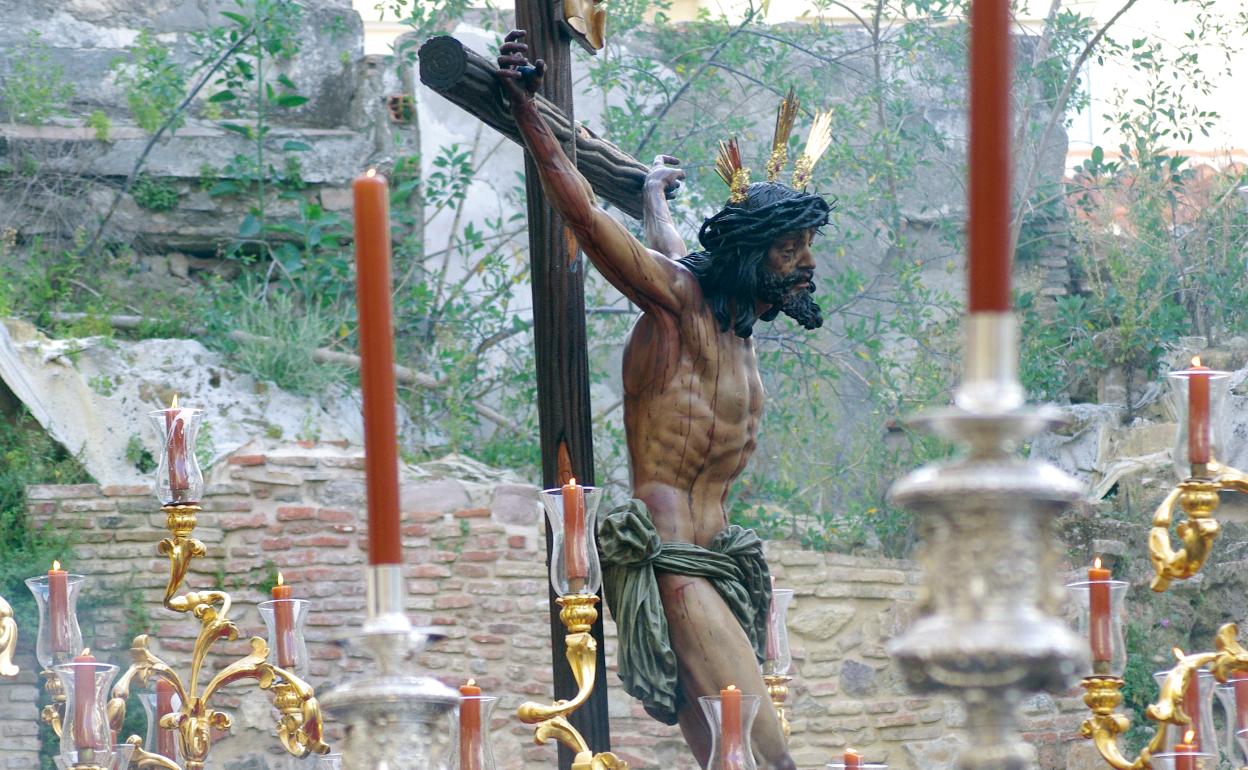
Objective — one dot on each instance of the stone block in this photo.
(445, 495)
(516, 504)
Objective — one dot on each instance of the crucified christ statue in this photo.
(692, 402)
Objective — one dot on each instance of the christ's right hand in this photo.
(521, 79)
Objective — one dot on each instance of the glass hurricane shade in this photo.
(1206, 739)
(179, 481)
(467, 753)
(59, 638)
(85, 726)
(328, 762)
(1236, 719)
(587, 578)
(1109, 634)
(1180, 387)
(117, 757)
(730, 756)
(288, 649)
(778, 657)
(152, 743)
(1168, 760)
(863, 766)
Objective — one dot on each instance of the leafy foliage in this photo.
(154, 83)
(35, 88)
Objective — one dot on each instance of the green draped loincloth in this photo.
(631, 555)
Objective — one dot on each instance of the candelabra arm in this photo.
(181, 549)
(8, 639)
(561, 730)
(300, 726)
(578, 614)
(1198, 498)
(53, 713)
(1232, 657)
(145, 760)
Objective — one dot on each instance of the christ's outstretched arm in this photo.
(665, 174)
(646, 278)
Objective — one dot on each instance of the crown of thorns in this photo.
(737, 176)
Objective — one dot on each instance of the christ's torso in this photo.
(692, 402)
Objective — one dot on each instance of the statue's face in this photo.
(786, 278)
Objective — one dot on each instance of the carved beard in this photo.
(777, 291)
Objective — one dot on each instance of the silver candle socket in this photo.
(395, 719)
(989, 631)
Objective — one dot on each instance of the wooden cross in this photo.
(558, 271)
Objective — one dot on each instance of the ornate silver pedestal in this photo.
(988, 632)
(395, 719)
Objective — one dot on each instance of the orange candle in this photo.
(731, 748)
(989, 157)
(1186, 752)
(58, 607)
(372, 261)
(1099, 617)
(284, 620)
(164, 705)
(1198, 414)
(84, 702)
(470, 727)
(575, 550)
(1240, 682)
(853, 760)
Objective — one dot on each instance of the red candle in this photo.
(853, 760)
(731, 750)
(575, 550)
(1185, 758)
(84, 702)
(58, 608)
(164, 705)
(469, 727)
(1099, 617)
(284, 620)
(372, 264)
(1198, 414)
(773, 644)
(1191, 706)
(989, 157)
(175, 428)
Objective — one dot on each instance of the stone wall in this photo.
(474, 558)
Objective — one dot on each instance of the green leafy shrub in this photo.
(101, 124)
(154, 83)
(154, 194)
(36, 88)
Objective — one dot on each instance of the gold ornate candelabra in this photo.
(8, 639)
(299, 724)
(578, 613)
(1198, 498)
(1200, 395)
(1103, 694)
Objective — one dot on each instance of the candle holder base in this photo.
(778, 691)
(54, 713)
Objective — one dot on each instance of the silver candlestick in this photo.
(394, 718)
(989, 632)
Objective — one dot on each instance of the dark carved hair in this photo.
(735, 243)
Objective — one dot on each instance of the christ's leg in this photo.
(713, 652)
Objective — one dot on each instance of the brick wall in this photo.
(474, 559)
